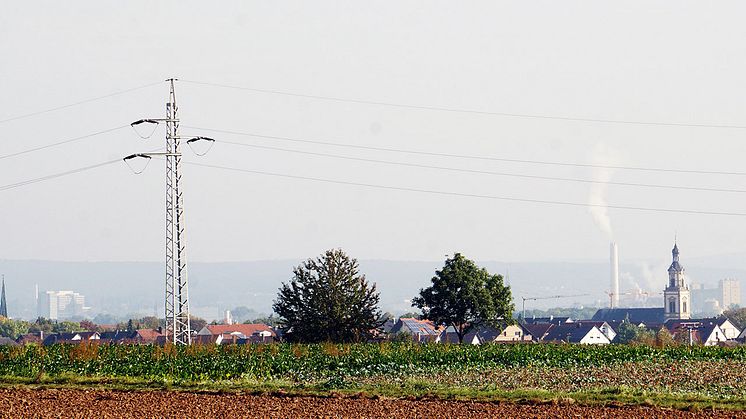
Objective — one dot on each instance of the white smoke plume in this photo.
(602, 155)
(655, 277)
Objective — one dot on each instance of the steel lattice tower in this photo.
(178, 327)
(178, 324)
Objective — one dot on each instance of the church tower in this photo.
(676, 297)
(3, 305)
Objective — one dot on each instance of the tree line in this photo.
(329, 300)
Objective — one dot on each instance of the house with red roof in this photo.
(421, 330)
(222, 334)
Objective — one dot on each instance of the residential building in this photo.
(4, 341)
(603, 326)
(222, 334)
(730, 292)
(73, 337)
(550, 320)
(63, 305)
(507, 333)
(449, 335)
(713, 301)
(28, 338)
(420, 330)
(694, 331)
(586, 334)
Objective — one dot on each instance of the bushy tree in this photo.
(270, 320)
(197, 323)
(465, 296)
(737, 316)
(42, 325)
(10, 328)
(628, 333)
(147, 322)
(645, 337)
(89, 326)
(328, 300)
(66, 327)
(664, 338)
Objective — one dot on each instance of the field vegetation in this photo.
(677, 376)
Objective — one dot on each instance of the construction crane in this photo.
(551, 297)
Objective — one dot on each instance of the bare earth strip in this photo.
(69, 403)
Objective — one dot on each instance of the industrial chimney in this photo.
(614, 276)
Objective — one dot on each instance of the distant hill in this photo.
(123, 288)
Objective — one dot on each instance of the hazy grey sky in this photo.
(681, 62)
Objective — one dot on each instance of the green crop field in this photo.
(677, 376)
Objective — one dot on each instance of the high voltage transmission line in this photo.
(467, 156)
(389, 187)
(404, 151)
(69, 105)
(469, 195)
(57, 175)
(70, 140)
(390, 104)
(466, 111)
(482, 172)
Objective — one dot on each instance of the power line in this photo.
(70, 140)
(61, 174)
(495, 197)
(385, 187)
(471, 157)
(485, 172)
(57, 108)
(57, 175)
(467, 111)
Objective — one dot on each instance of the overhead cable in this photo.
(471, 157)
(57, 175)
(70, 140)
(483, 172)
(57, 108)
(469, 195)
(468, 111)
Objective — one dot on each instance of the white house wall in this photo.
(595, 337)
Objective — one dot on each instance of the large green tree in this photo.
(465, 296)
(328, 300)
(10, 328)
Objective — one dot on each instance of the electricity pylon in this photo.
(178, 325)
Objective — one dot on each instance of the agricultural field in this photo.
(676, 377)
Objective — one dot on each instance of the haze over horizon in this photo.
(514, 85)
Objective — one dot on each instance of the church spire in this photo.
(3, 305)
(676, 296)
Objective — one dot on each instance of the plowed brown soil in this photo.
(66, 403)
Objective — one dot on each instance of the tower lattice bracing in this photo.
(178, 328)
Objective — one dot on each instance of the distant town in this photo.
(690, 315)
